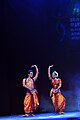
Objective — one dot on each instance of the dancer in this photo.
(57, 98)
(31, 101)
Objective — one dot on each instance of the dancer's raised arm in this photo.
(37, 72)
(49, 75)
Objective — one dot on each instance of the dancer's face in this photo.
(54, 75)
(30, 74)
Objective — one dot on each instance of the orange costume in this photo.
(31, 100)
(57, 98)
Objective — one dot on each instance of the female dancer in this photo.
(57, 98)
(31, 99)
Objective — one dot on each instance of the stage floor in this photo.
(46, 116)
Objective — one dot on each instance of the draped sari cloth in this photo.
(57, 98)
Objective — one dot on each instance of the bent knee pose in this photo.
(57, 98)
(31, 99)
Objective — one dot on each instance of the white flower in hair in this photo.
(55, 73)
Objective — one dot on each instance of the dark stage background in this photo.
(41, 32)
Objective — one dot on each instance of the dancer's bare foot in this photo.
(61, 112)
(25, 115)
(33, 115)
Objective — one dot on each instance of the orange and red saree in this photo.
(57, 98)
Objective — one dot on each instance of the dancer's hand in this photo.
(51, 93)
(33, 66)
(54, 91)
(51, 66)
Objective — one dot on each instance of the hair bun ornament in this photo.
(55, 73)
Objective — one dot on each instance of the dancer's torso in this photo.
(31, 86)
(30, 83)
(55, 83)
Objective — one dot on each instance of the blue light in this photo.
(76, 10)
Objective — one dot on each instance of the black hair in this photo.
(29, 71)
